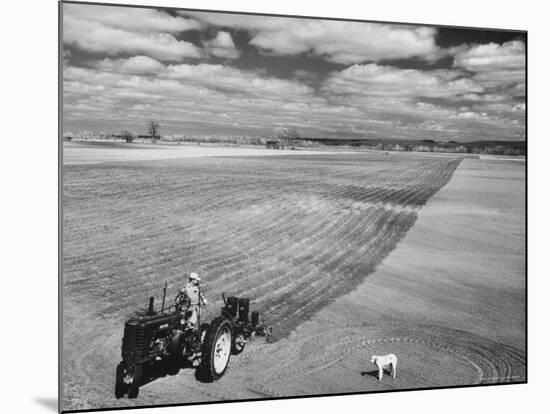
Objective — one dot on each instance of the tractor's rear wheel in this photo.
(216, 349)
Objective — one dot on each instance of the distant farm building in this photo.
(273, 145)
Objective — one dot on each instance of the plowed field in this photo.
(291, 233)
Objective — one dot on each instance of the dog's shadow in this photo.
(374, 373)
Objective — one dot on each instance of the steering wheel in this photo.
(182, 301)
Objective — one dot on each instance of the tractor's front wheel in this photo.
(136, 382)
(120, 387)
(216, 349)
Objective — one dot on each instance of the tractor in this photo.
(164, 337)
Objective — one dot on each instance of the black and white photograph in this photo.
(263, 206)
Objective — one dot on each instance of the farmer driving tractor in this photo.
(193, 292)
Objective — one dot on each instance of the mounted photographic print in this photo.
(261, 207)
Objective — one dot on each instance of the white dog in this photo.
(384, 361)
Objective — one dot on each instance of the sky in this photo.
(224, 74)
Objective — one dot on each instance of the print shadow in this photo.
(49, 403)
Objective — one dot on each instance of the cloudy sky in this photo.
(233, 74)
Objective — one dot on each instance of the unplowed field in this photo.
(293, 233)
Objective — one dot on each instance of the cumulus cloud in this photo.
(471, 115)
(137, 65)
(377, 80)
(336, 41)
(480, 97)
(492, 57)
(500, 78)
(131, 18)
(495, 65)
(222, 46)
(121, 31)
(214, 77)
(239, 81)
(500, 70)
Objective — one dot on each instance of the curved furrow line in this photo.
(359, 237)
(277, 224)
(368, 256)
(322, 252)
(262, 253)
(281, 218)
(252, 285)
(294, 296)
(319, 258)
(282, 231)
(341, 193)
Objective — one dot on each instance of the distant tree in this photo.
(129, 136)
(153, 130)
(286, 135)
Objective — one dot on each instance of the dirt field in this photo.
(312, 238)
